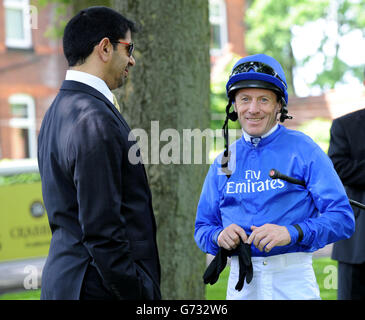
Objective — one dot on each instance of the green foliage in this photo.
(346, 15)
(269, 25)
(21, 178)
(269, 30)
(218, 98)
(63, 9)
(319, 130)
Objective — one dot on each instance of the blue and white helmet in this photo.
(258, 71)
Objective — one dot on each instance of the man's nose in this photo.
(132, 61)
(254, 106)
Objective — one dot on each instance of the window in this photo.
(18, 24)
(218, 26)
(23, 127)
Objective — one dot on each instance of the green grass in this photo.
(22, 295)
(326, 274)
(324, 268)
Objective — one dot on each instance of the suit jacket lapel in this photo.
(78, 86)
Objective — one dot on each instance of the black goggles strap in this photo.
(259, 67)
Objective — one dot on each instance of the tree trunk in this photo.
(82, 4)
(169, 89)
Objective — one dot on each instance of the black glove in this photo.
(244, 259)
(217, 265)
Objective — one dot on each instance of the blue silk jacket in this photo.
(250, 197)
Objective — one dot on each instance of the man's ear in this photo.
(104, 49)
(279, 107)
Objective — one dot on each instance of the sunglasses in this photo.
(130, 47)
(259, 67)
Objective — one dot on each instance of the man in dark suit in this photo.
(98, 203)
(347, 152)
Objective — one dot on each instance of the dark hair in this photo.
(87, 28)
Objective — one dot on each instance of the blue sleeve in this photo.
(293, 232)
(208, 223)
(336, 218)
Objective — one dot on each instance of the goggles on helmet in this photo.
(259, 67)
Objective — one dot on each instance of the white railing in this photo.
(10, 167)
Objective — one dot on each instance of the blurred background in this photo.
(319, 43)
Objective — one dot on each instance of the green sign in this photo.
(24, 228)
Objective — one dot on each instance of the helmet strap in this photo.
(233, 116)
(284, 111)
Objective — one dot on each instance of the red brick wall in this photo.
(330, 105)
(235, 11)
(235, 26)
(38, 72)
(305, 109)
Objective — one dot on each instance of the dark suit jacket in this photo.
(98, 204)
(347, 152)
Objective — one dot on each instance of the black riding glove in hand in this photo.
(244, 259)
(217, 265)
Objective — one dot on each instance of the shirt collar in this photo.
(90, 80)
(247, 137)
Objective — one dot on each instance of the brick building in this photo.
(32, 68)
(227, 28)
(228, 17)
(329, 105)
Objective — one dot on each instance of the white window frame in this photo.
(221, 21)
(24, 6)
(28, 123)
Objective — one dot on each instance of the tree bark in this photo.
(170, 85)
(82, 4)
